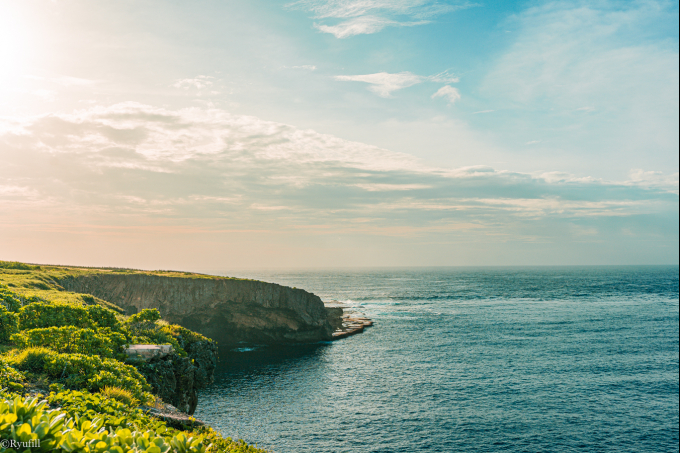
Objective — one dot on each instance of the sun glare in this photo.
(15, 44)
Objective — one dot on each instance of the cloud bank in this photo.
(141, 168)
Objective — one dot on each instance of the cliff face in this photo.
(229, 311)
(177, 379)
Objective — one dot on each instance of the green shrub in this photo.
(71, 339)
(143, 321)
(9, 299)
(48, 314)
(23, 420)
(8, 324)
(57, 314)
(102, 317)
(78, 371)
(18, 266)
(122, 395)
(184, 337)
(114, 413)
(10, 378)
(31, 359)
(144, 328)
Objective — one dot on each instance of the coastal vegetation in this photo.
(66, 383)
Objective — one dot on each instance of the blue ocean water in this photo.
(574, 359)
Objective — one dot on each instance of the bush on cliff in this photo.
(70, 339)
(9, 299)
(8, 324)
(18, 266)
(10, 378)
(143, 321)
(56, 314)
(146, 327)
(78, 371)
(185, 337)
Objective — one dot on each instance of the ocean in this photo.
(546, 359)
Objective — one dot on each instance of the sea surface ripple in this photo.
(573, 359)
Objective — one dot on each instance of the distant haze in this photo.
(338, 133)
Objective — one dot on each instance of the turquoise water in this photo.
(467, 360)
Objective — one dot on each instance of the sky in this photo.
(249, 134)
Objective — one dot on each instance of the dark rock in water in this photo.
(227, 310)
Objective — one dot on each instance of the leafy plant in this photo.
(25, 420)
(8, 324)
(10, 378)
(57, 314)
(77, 371)
(70, 339)
(143, 321)
(184, 337)
(9, 299)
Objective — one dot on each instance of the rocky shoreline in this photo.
(351, 322)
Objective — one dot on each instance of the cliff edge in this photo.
(227, 310)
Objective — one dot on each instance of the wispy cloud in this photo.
(361, 26)
(198, 82)
(356, 17)
(447, 92)
(384, 83)
(601, 60)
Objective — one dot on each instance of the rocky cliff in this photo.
(226, 310)
(177, 379)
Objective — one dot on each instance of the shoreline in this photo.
(352, 322)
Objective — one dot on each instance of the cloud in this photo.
(190, 160)
(358, 17)
(384, 83)
(360, 26)
(448, 92)
(198, 82)
(135, 171)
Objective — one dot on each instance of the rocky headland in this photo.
(227, 310)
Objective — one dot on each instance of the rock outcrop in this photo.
(172, 378)
(177, 379)
(227, 310)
